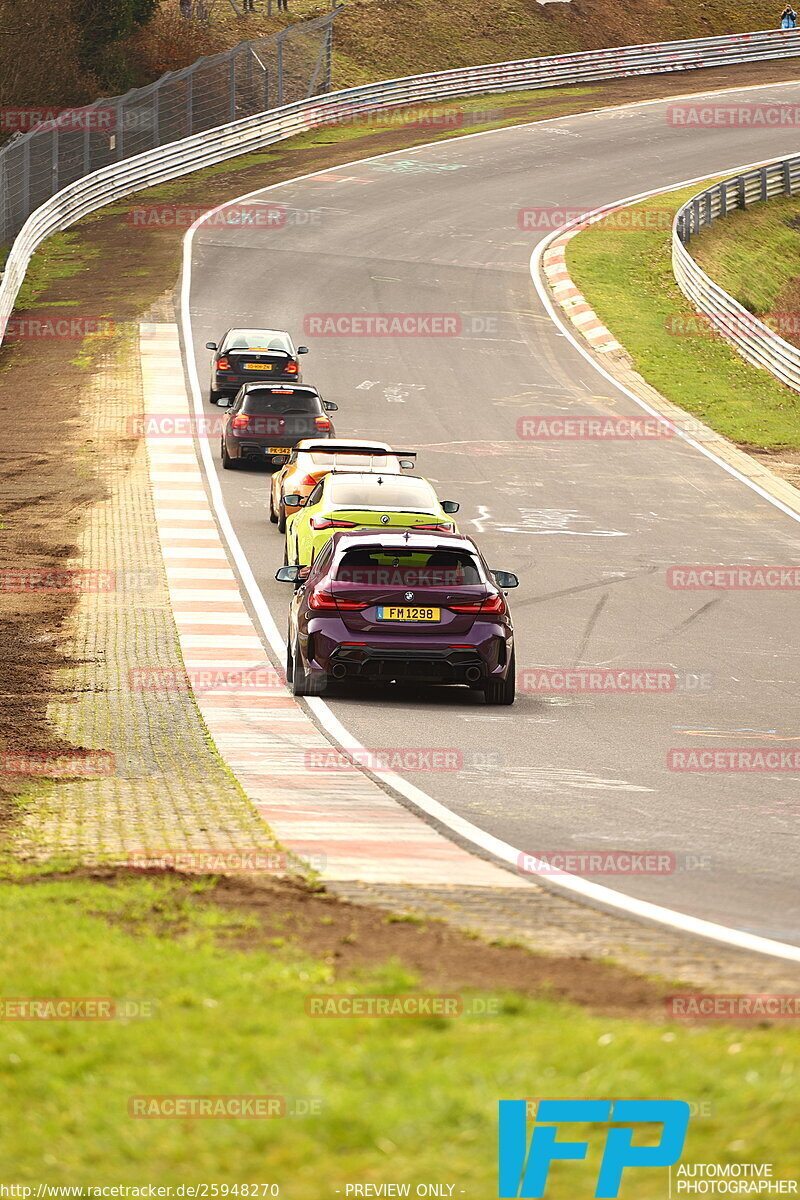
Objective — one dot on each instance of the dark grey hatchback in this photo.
(265, 423)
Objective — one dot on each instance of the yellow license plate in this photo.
(409, 614)
(259, 366)
(277, 450)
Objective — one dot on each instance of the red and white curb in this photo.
(570, 300)
(319, 806)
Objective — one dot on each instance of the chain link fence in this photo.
(252, 77)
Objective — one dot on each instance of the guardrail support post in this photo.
(696, 214)
(156, 118)
(54, 158)
(764, 184)
(787, 177)
(723, 199)
(741, 194)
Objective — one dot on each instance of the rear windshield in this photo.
(372, 491)
(269, 402)
(255, 339)
(408, 568)
(323, 458)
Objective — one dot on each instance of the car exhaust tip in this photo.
(338, 670)
(472, 674)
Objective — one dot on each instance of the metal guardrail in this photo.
(248, 79)
(169, 161)
(756, 341)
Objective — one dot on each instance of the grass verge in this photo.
(754, 256)
(230, 1022)
(626, 276)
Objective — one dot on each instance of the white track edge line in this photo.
(570, 884)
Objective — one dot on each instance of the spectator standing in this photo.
(283, 5)
(788, 18)
(249, 5)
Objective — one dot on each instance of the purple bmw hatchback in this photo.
(401, 606)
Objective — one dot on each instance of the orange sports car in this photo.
(312, 458)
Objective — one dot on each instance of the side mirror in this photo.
(407, 464)
(450, 506)
(302, 349)
(224, 401)
(211, 346)
(288, 574)
(295, 500)
(506, 579)
(329, 406)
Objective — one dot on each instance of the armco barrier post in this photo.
(281, 36)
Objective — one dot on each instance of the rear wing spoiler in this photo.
(363, 450)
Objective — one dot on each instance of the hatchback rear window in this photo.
(255, 339)
(269, 402)
(408, 568)
(371, 491)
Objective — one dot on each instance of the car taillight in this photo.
(223, 364)
(319, 598)
(322, 422)
(445, 527)
(290, 368)
(309, 481)
(239, 422)
(327, 523)
(494, 604)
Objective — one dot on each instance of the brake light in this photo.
(494, 604)
(442, 528)
(223, 364)
(239, 422)
(291, 368)
(322, 422)
(309, 481)
(319, 598)
(327, 523)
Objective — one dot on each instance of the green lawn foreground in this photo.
(626, 276)
(399, 1099)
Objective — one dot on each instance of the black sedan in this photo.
(247, 355)
(265, 423)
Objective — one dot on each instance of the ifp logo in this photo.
(524, 1170)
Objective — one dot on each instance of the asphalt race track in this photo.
(590, 526)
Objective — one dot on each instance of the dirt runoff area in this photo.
(53, 472)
